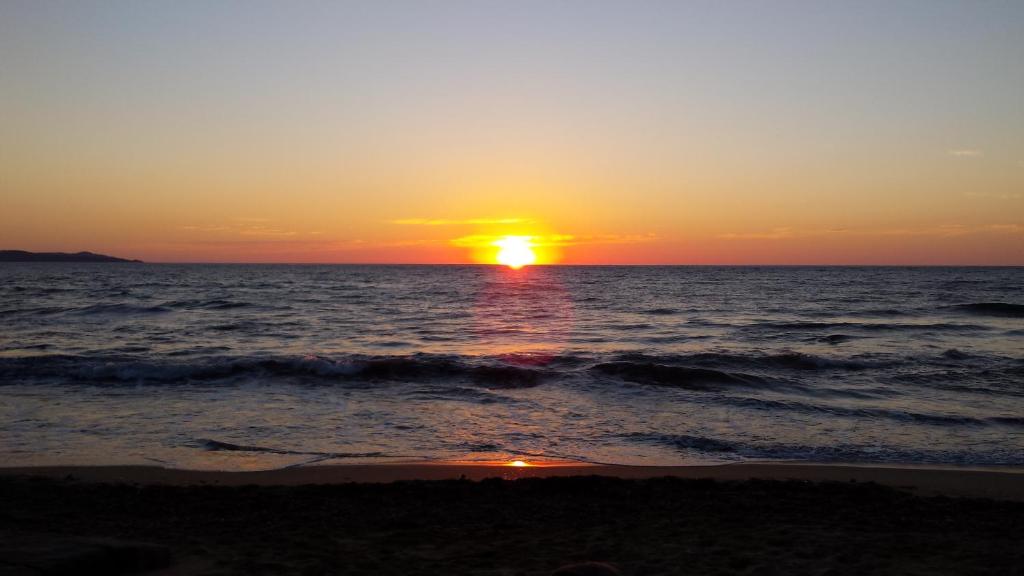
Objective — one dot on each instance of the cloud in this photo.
(266, 231)
(294, 243)
(773, 234)
(966, 153)
(939, 230)
(782, 233)
(568, 240)
(259, 227)
(467, 222)
(542, 240)
(206, 228)
(1006, 228)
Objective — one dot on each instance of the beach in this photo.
(477, 519)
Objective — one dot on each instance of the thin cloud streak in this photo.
(966, 153)
(260, 227)
(942, 230)
(466, 222)
(556, 240)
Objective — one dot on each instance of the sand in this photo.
(795, 519)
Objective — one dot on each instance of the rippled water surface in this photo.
(238, 367)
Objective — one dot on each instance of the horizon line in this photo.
(560, 264)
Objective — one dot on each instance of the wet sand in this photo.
(422, 519)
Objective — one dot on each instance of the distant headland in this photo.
(23, 256)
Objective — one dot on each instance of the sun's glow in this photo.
(518, 464)
(515, 251)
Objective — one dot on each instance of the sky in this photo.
(640, 132)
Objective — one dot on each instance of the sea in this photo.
(246, 367)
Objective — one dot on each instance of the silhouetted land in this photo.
(23, 256)
(530, 526)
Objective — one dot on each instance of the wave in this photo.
(999, 309)
(702, 379)
(756, 361)
(954, 354)
(694, 371)
(417, 368)
(870, 413)
(128, 369)
(119, 310)
(214, 304)
(235, 326)
(836, 338)
(808, 325)
(474, 395)
(33, 311)
(1008, 420)
(685, 442)
(218, 446)
(1004, 380)
(875, 312)
(798, 383)
(123, 309)
(697, 371)
(16, 346)
(834, 453)
(661, 311)
(91, 310)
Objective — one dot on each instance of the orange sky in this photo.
(610, 133)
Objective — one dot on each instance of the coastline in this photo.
(994, 483)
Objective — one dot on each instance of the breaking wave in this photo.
(840, 453)
(676, 376)
(218, 446)
(1000, 309)
(306, 369)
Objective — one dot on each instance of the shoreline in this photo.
(995, 483)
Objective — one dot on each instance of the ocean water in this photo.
(248, 367)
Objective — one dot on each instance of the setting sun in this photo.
(515, 251)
